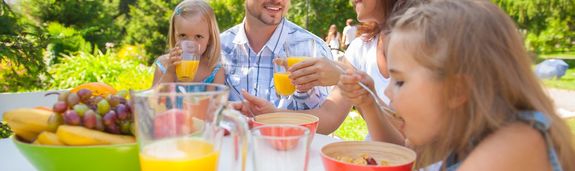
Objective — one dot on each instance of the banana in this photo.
(23, 134)
(48, 138)
(28, 120)
(77, 135)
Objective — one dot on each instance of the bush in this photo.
(64, 40)
(100, 67)
(98, 22)
(21, 46)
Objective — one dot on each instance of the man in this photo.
(348, 32)
(249, 48)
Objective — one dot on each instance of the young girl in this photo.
(462, 83)
(193, 20)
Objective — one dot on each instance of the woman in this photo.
(332, 39)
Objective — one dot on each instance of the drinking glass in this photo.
(191, 53)
(280, 147)
(282, 83)
(297, 51)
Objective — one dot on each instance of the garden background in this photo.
(59, 44)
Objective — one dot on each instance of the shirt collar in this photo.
(275, 42)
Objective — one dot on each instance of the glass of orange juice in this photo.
(298, 51)
(282, 83)
(191, 53)
(174, 134)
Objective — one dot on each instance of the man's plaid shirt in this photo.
(255, 73)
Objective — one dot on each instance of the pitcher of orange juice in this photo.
(180, 127)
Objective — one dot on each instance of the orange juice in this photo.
(186, 70)
(283, 84)
(292, 60)
(182, 154)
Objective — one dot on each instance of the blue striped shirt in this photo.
(253, 72)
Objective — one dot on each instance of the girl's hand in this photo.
(173, 58)
(314, 72)
(350, 89)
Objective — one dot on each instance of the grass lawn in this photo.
(353, 128)
(566, 82)
(566, 55)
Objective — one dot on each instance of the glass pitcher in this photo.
(180, 126)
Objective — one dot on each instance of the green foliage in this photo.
(100, 67)
(149, 25)
(549, 25)
(321, 14)
(98, 22)
(228, 12)
(64, 40)
(352, 128)
(5, 131)
(21, 43)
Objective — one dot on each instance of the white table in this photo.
(12, 160)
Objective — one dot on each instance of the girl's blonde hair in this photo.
(190, 8)
(475, 50)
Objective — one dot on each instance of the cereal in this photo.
(363, 159)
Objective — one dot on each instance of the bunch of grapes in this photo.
(111, 114)
(5, 131)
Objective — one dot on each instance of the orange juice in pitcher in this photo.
(181, 154)
(186, 70)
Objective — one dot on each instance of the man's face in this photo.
(268, 12)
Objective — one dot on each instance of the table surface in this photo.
(12, 160)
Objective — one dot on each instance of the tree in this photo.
(21, 44)
(148, 26)
(549, 25)
(321, 14)
(228, 12)
(97, 22)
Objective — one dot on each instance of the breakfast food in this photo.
(363, 159)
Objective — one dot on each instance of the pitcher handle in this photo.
(239, 132)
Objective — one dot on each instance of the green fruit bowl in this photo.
(122, 157)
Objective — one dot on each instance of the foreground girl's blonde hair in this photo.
(475, 50)
(190, 8)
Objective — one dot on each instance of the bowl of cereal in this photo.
(367, 156)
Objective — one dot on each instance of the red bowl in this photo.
(398, 158)
(301, 119)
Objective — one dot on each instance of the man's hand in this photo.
(253, 105)
(314, 72)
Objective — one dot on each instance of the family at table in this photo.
(456, 72)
